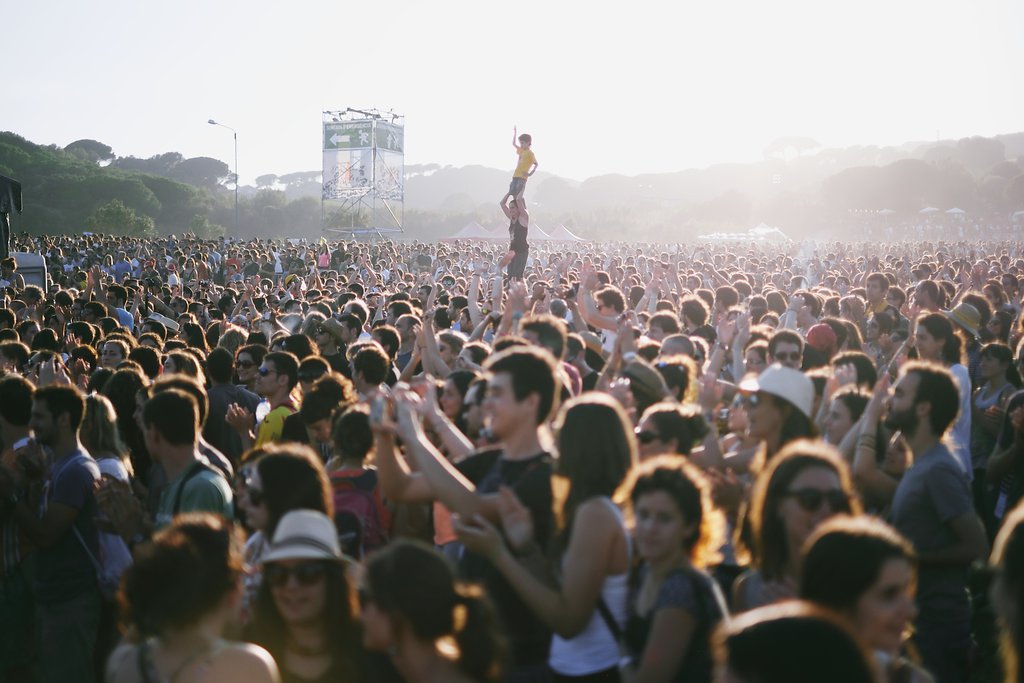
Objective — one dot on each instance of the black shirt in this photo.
(517, 232)
(530, 479)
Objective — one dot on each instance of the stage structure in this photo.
(364, 172)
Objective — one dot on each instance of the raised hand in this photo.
(478, 535)
(239, 418)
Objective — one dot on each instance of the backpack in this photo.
(360, 528)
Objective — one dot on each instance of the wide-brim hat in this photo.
(333, 328)
(304, 535)
(786, 383)
(648, 381)
(966, 316)
(163, 320)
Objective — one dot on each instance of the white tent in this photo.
(760, 232)
(475, 231)
(928, 209)
(563, 234)
(956, 212)
(537, 234)
(886, 212)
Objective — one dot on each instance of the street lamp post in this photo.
(238, 230)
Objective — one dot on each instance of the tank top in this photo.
(595, 649)
(982, 442)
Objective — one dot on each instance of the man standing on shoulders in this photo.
(932, 507)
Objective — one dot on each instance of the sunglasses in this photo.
(245, 364)
(255, 495)
(307, 573)
(811, 500)
(752, 400)
(788, 357)
(263, 372)
(646, 437)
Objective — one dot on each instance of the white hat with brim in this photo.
(163, 320)
(304, 535)
(786, 383)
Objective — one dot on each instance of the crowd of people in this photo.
(229, 460)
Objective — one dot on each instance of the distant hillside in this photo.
(797, 186)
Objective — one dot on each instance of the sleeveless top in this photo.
(595, 649)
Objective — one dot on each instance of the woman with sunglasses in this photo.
(778, 404)
(247, 360)
(804, 485)
(673, 429)
(177, 599)
(596, 451)
(276, 480)
(305, 612)
(865, 571)
(435, 627)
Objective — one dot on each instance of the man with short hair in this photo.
(521, 395)
(275, 379)
(66, 538)
(220, 366)
(932, 507)
(171, 430)
(370, 367)
(787, 348)
(875, 288)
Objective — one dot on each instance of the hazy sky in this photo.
(627, 87)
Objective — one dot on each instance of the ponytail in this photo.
(476, 633)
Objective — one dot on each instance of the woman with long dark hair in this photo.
(596, 451)
(435, 627)
(804, 485)
(305, 611)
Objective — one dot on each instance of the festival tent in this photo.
(928, 209)
(886, 212)
(956, 212)
(563, 234)
(537, 234)
(760, 232)
(475, 231)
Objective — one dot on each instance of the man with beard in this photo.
(66, 538)
(932, 507)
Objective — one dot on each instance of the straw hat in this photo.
(966, 316)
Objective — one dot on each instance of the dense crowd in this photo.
(390, 461)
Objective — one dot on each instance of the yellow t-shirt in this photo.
(526, 160)
(272, 426)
